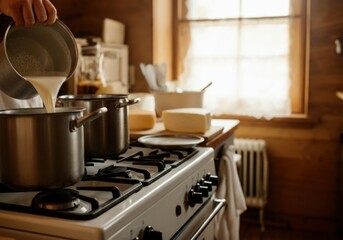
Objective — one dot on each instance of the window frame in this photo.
(299, 85)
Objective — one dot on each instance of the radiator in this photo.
(253, 172)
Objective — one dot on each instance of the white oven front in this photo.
(179, 214)
(201, 224)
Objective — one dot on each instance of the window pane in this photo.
(212, 9)
(219, 9)
(247, 61)
(265, 8)
(255, 62)
(264, 38)
(213, 39)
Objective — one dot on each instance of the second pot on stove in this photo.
(40, 150)
(110, 134)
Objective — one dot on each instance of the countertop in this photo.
(228, 127)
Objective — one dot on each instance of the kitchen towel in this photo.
(227, 221)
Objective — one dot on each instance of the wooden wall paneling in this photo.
(326, 26)
(85, 18)
(327, 129)
(303, 176)
(162, 34)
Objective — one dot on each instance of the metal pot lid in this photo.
(171, 141)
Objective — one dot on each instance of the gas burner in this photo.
(130, 170)
(147, 156)
(61, 199)
(174, 157)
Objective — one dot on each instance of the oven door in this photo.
(201, 224)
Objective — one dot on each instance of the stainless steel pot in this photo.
(40, 150)
(108, 135)
(40, 50)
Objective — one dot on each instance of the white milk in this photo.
(47, 87)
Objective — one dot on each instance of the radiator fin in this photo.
(253, 172)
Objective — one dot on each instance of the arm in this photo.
(28, 12)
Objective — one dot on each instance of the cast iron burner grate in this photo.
(116, 177)
(130, 168)
(172, 157)
(81, 207)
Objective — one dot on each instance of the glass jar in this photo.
(90, 76)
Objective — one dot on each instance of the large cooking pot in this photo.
(39, 150)
(108, 135)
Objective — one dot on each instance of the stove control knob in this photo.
(194, 197)
(202, 189)
(212, 178)
(206, 183)
(151, 234)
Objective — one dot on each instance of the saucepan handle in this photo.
(87, 118)
(129, 102)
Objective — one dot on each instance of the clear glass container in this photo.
(90, 77)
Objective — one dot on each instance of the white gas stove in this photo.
(143, 194)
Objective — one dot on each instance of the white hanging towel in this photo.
(227, 221)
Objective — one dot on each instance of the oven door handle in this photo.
(220, 204)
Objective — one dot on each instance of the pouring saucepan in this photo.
(108, 135)
(40, 50)
(40, 150)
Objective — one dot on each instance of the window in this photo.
(252, 51)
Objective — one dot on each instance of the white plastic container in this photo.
(147, 101)
(113, 31)
(142, 115)
(172, 100)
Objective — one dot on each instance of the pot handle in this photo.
(87, 118)
(129, 102)
(59, 103)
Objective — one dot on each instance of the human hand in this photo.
(29, 12)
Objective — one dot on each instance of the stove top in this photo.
(106, 182)
(115, 200)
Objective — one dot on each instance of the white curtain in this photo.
(248, 62)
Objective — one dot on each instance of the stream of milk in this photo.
(47, 87)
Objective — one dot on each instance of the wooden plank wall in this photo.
(85, 17)
(304, 162)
